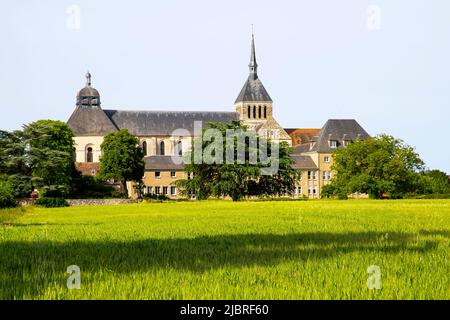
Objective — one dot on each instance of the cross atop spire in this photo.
(88, 79)
(253, 66)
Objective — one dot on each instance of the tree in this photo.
(216, 176)
(48, 154)
(283, 181)
(122, 158)
(380, 166)
(12, 162)
(433, 182)
(7, 197)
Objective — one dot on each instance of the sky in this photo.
(385, 63)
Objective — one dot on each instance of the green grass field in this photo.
(226, 250)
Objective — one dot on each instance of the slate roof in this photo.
(338, 130)
(163, 163)
(303, 162)
(302, 148)
(90, 121)
(154, 123)
(88, 91)
(253, 90)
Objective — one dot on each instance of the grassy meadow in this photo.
(226, 250)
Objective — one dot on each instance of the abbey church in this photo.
(165, 134)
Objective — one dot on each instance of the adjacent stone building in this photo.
(165, 134)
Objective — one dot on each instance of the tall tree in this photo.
(12, 162)
(377, 166)
(48, 154)
(215, 175)
(122, 158)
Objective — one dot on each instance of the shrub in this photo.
(87, 187)
(152, 196)
(119, 194)
(7, 195)
(301, 198)
(52, 202)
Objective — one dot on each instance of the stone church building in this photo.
(160, 136)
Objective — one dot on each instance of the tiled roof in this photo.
(301, 135)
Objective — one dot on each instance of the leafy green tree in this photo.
(379, 166)
(13, 166)
(283, 181)
(7, 193)
(122, 158)
(433, 182)
(48, 155)
(235, 179)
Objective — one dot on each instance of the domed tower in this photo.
(88, 97)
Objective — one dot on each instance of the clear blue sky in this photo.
(318, 60)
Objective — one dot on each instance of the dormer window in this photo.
(333, 143)
(347, 142)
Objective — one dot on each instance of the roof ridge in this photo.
(170, 111)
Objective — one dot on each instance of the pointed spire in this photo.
(88, 79)
(253, 66)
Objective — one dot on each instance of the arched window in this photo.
(89, 155)
(248, 112)
(162, 148)
(179, 148)
(74, 155)
(254, 112)
(265, 112)
(144, 148)
(259, 112)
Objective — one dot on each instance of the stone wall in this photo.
(83, 202)
(98, 202)
(25, 202)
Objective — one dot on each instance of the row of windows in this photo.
(312, 175)
(334, 143)
(261, 111)
(326, 175)
(311, 190)
(173, 174)
(165, 190)
(162, 151)
(89, 155)
(162, 148)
